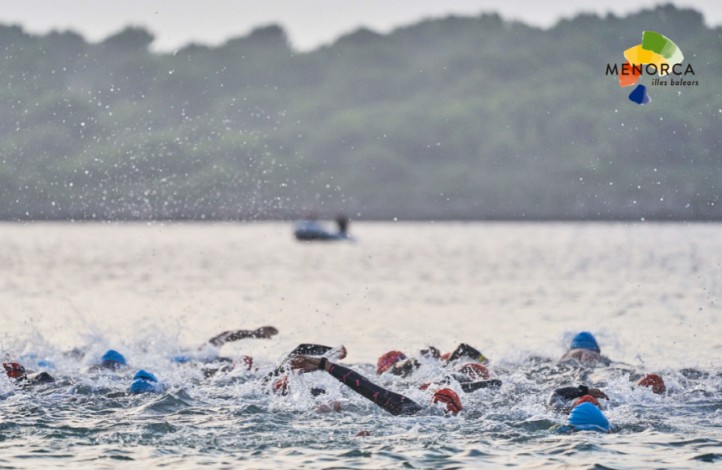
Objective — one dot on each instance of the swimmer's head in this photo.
(144, 382)
(280, 386)
(145, 375)
(585, 340)
(112, 359)
(430, 353)
(386, 361)
(587, 417)
(586, 399)
(450, 398)
(475, 371)
(14, 370)
(654, 382)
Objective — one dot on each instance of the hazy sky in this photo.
(309, 23)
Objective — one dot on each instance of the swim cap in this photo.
(655, 382)
(448, 396)
(144, 382)
(387, 360)
(585, 340)
(180, 359)
(587, 417)
(111, 355)
(145, 375)
(586, 399)
(143, 386)
(14, 370)
(281, 385)
(475, 371)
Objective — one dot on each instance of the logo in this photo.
(656, 55)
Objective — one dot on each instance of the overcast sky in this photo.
(309, 23)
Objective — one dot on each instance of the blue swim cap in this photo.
(144, 382)
(143, 386)
(180, 359)
(111, 355)
(44, 363)
(587, 417)
(585, 340)
(145, 375)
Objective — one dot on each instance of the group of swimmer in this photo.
(465, 369)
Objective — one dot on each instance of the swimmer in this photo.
(17, 372)
(586, 415)
(561, 399)
(394, 403)
(584, 350)
(110, 360)
(653, 382)
(279, 375)
(265, 332)
(464, 351)
(144, 382)
(397, 363)
(471, 377)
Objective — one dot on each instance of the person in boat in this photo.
(562, 399)
(16, 372)
(392, 402)
(310, 229)
(584, 350)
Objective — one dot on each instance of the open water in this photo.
(517, 291)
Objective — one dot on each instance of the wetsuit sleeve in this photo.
(464, 350)
(305, 349)
(394, 403)
(570, 393)
(230, 336)
(309, 350)
(469, 387)
(560, 398)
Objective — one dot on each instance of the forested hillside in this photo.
(456, 118)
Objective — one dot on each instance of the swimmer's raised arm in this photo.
(394, 403)
(235, 335)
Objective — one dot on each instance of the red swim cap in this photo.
(448, 396)
(386, 361)
(586, 399)
(445, 356)
(14, 370)
(655, 382)
(475, 371)
(281, 385)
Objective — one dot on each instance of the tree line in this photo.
(453, 118)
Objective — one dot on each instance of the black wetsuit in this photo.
(394, 403)
(560, 398)
(464, 351)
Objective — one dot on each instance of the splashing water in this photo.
(516, 291)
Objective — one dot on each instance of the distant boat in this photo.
(307, 230)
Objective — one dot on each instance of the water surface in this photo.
(650, 292)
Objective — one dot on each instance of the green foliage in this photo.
(452, 118)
